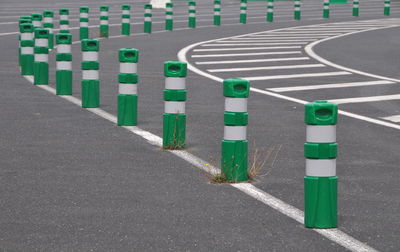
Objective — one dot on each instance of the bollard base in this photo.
(90, 93)
(83, 33)
(40, 73)
(169, 25)
(174, 131)
(234, 160)
(270, 17)
(51, 41)
(320, 202)
(147, 27)
(63, 82)
(27, 64)
(192, 22)
(127, 110)
(126, 29)
(243, 18)
(217, 20)
(104, 31)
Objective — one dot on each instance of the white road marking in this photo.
(266, 40)
(279, 37)
(244, 54)
(291, 76)
(290, 33)
(258, 44)
(249, 61)
(336, 85)
(246, 48)
(221, 70)
(395, 118)
(367, 99)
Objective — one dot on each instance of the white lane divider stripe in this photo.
(257, 44)
(264, 68)
(395, 118)
(293, 33)
(291, 76)
(279, 37)
(367, 99)
(336, 85)
(249, 61)
(246, 48)
(266, 40)
(244, 54)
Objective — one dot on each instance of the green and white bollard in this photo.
(128, 94)
(320, 150)
(356, 4)
(217, 12)
(83, 22)
(27, 44)
(297, 10)
(126, 20)
(169, 21)
(64, 20)
(234, 151)
(174, 117)
(243, 11)
(48, 16)
(64, 64)
(25, 18)
(37, 20)
(192, 14)
(325, 13)
(90, 73)
(20, 22)
(270, 11)
(41, 57)
(386, 10)
(147, 18)
(104, 21)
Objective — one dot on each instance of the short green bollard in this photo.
(90, 73)
(64, 64)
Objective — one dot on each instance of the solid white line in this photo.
(290, 76)
(264, 40)
(249, 61)
(264, 44)
(367, 99)
(244, 54)
(395, 118)
(290, 33)
(336, 85)
(263, 68)
(246, 48)
(279, 37)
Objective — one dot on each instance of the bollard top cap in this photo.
(25, 17)
(41, 33)
(128, 55)
(103, 8)
(90, 45)
(321, 113)
(175, 69)
(243, 1)
(63, 11)
(26, 27)
(236, 88)
(64, 39)
(192, 3)
(148, 6)
(24, 21)
(48, 13)
(126, 6)
(84, 9)
(169, 5)
(217, 1)
(37, 16)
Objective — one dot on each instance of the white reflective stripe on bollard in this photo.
(127, 89)
(90, 56)
(169, 9)
(63, 17)
(64, 48)
(47, 20)
(235, 133)
(147, 11)
(235, 104)
(64, 65)
(174, 107)
(125, 20)
(217, 6)
(64, 27)
(26, 50)
(168, 17)
(191, 7)
(297, 8)
(103, 13)
(36, 23)
(90, 74)
(26, 36)
(127, 67)
(243, 11)
(175, 83)
(321, 167)
(41, 58)
(192, 15)
(41, 42)
(103, 22)
(147, 19)
(125, 12)
(217, 13)
(83, 24)
(321, 134)
(84, 15)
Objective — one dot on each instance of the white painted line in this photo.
(258, 44)
(336, 85)
(246, 48)
(290, 33)
(249, 61)
(395, 118)
(244, 54)
(367, 99)
(279, 37)
(266, 40)
(291, 76)
(263, 68)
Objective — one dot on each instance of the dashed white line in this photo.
(291, 76)
(258, 44)
(246, 48)
(243, 54)
(249, 61)
(264, 68)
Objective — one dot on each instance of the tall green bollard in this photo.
(386, 10)
(27, 43)
(355, 8)
(270, 11)
(126, 20)
(48, 16)
(20, 22)
(104, 21)
(64, 20)
(320, 150)
(90, 73)
(174, 117)
(128, 94)
(147, 18)
(83, 22)
(297, 10)
(234, 146)
(325, 13)
(37, 20)
(192, 14)
(217, 12)
(243, 11)
(41, 57)
(169, 21)
(64, 64)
